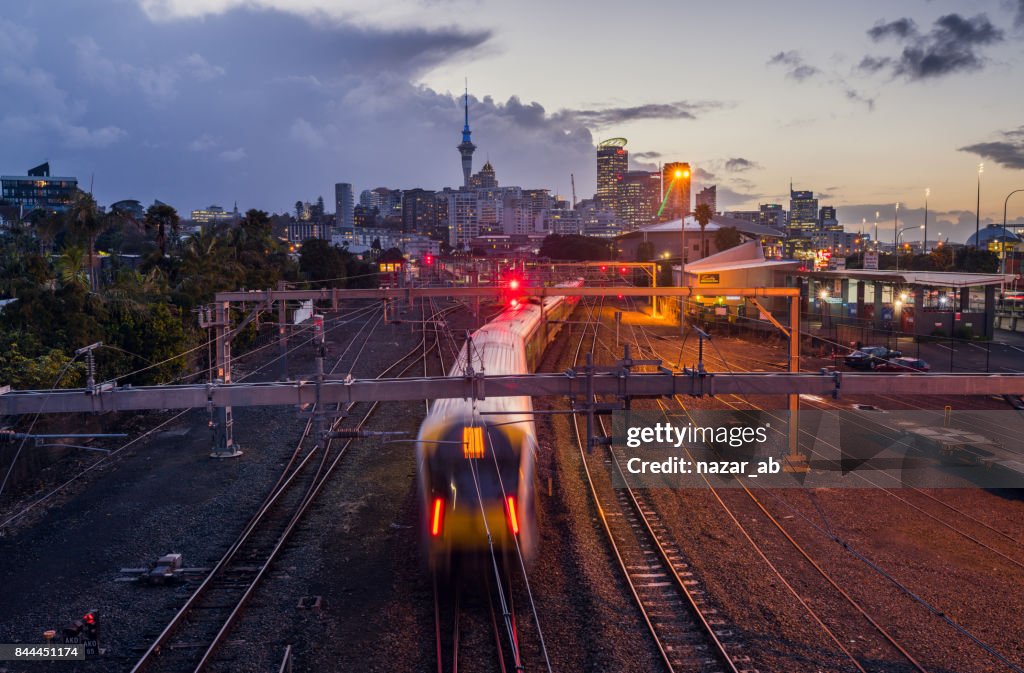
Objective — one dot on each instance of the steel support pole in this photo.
(223, 424)
(282, 332)
(796, 462)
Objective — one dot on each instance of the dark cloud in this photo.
(602, 117)
(858, 97)
(160, 109)
(794, 64)
(952, 45)
(1018, 20)
(739, 164)
(870, 64)
(703, 175)
(898, 28)
(1008, 151)
(646, 155)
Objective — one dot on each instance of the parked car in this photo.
(870, 357)
(904, 365)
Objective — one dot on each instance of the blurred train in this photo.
(476, 459)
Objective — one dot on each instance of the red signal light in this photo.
(515, 303)
(604, 268)
(89, 618)
(622, 270)
(513, 284)
(428, 259)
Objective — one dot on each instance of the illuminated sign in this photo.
(708, 279)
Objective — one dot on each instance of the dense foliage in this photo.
(141, 307)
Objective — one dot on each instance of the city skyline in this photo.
(896, 102)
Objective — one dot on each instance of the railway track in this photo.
(772, 526)
(688, 631)
(195, 633)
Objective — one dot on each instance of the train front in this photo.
(475, 488)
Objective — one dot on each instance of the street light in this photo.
(1005, 202)
(924, 242)
(977, 213)
(897, 250)
(875, 239)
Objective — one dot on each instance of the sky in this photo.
(266, 102)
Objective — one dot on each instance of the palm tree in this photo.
(703, 214)
(85, 221)
(162, 218)
(70, 267)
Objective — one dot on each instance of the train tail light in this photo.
(437, 517)
(513, 515)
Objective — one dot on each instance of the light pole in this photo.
(924, 241)
(977, 212)
(895, 234)
(875, 239)
(920, 226)
(1006, 201)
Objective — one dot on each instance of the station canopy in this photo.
(923, 278)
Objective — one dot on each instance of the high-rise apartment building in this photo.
(709, 196)
(419, 210)
(38, 190)
(344, 202)
(612, 165)
(675, 189)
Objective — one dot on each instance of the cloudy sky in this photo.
(270, 101)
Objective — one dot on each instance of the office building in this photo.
(612, 165)
(803, 212)
(214, 215)
(639, 198)
(773, 215)
(485, 179)
(827, 220)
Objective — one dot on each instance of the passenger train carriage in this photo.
(476, 459)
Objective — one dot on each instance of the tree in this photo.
(703, 214)
(320, 261)
(160, 219)
(71, 267)
(727, 237)
(85, 222)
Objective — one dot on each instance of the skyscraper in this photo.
(486, 178)
(675, 186)
(344, 202)
(803, 212)
(709, 196)
(612, 164)
(639, 198)
(466, 147)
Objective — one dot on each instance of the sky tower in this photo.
(466, 147)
